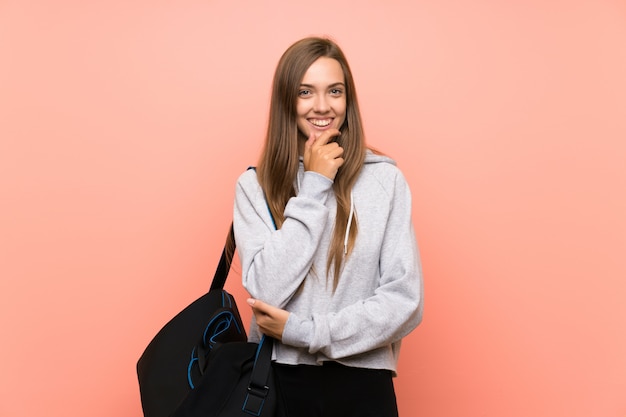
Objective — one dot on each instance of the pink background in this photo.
(124, 125)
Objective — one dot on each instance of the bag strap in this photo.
(258, 388)
(223, 267)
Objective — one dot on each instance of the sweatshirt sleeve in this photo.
(274, 262)
(389, 314)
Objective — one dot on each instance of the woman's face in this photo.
(321, 101)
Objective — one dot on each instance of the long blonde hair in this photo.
(278, 164)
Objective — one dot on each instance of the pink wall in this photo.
(124, 125)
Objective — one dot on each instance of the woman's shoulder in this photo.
(380, 167)
(248, 178)
(248, 184)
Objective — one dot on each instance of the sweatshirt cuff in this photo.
(297, 332)
(315, 186)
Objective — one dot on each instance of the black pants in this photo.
(334, 390)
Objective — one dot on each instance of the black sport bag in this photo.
(201, 365)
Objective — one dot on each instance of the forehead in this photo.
(324, 71)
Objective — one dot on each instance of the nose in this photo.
(321, 104)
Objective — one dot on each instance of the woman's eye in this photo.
(336, 92)
(304, 93)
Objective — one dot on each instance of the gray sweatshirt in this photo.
(379, 297)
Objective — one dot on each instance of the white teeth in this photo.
(320, 123)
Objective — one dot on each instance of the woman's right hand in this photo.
(271, 320)
(323, 156)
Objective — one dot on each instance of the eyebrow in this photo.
(330, 86)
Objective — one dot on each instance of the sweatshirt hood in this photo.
(370, 158)
(373, 158)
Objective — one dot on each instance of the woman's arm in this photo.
(389, 314)
(275, 262)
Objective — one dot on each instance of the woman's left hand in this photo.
(271, 320)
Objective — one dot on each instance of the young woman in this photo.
(333, 272)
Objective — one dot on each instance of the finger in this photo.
(309, 142)
(256, 305)
(333, 150)
(259, 306)
(325, 137)
(330, 152)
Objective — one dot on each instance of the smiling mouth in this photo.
(320, 122)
